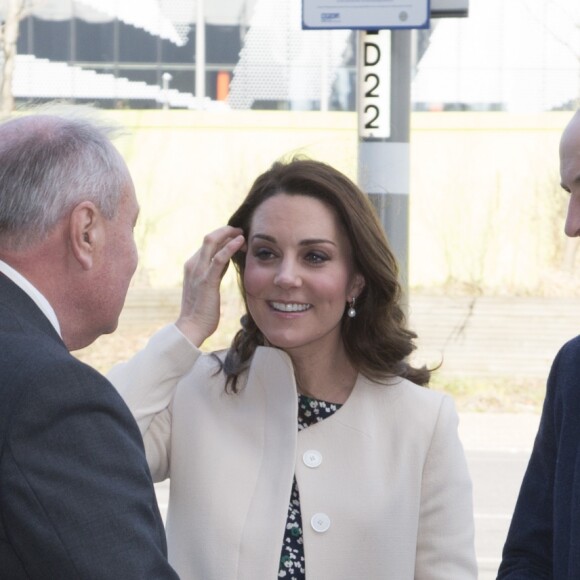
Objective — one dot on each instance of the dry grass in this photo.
(496, 394)
(111, 349)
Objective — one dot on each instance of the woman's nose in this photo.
(287, 275)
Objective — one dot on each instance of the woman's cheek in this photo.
(254, 278)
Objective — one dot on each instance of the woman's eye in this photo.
(263, 253)
(316, 258)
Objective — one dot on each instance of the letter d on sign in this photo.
(372, 54)
(374, 85)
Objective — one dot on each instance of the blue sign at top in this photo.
(365, 14)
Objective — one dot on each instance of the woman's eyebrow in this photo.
(306, 242)
(313, 241)
(264, 237)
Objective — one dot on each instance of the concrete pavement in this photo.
(497, 446)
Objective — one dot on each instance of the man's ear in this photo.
(85, 233)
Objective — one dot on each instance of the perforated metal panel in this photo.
(181, 13)
(282, 62)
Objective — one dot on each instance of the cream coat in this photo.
(392, 483)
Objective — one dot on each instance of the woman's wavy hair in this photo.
(377, 340)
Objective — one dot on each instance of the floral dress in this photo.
(292, 565)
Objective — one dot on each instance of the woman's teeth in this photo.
(290, 307)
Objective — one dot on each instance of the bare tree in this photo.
(571, 12)
(9, 28)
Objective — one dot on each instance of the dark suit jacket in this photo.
(544, 536)
(76, 497)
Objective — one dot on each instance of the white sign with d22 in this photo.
(365, 14)
(374, 85)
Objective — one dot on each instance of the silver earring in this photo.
(351, 312)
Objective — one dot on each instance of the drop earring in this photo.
(351, 312)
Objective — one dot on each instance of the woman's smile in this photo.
(289, 306)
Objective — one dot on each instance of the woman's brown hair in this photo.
(377, 340)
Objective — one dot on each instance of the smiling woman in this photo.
(310, 447)
(342, 250)
(298, 278)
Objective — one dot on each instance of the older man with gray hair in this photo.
(76, 498)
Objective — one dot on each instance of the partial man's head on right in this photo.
(570, 173)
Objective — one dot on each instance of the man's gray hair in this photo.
(50, 161)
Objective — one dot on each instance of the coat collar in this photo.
(17, 301)
(272, 371)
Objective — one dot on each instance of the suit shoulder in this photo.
(571, 349)
(28, 352)
(33, 365)
(567, 360)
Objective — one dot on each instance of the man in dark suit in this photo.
(76, 497)
(544, 537)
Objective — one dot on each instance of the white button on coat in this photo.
(312, 458)
(320, 523)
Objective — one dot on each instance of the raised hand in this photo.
(203, 272)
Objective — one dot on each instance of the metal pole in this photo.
(324, 80)
(384, 128)
(200, 54)
(166, 79)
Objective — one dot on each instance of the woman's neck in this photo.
(328, 378)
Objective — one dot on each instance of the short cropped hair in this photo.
(52, 159)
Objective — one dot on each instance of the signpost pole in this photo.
(384, 100)
(200, 54)
(384, 79)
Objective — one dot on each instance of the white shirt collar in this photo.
(34, 294)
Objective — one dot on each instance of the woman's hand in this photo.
(203, 272)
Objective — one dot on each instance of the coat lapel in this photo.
(271, 379)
